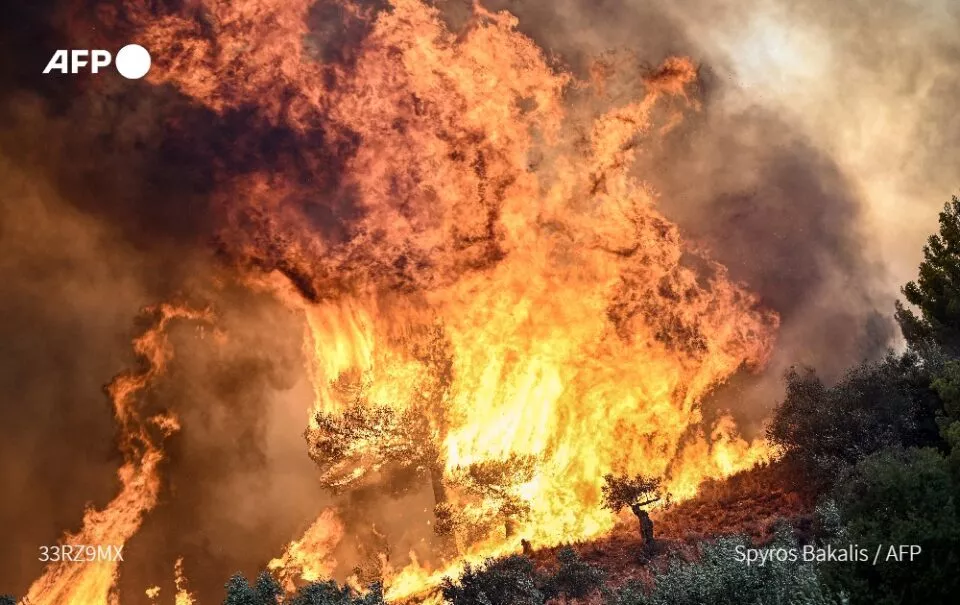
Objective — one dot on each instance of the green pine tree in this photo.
(936, 293)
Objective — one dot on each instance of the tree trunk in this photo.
(436, 482)
(646, 524)
(443, 528)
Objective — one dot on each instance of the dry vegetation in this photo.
(749, 502)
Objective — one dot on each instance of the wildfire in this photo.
(490, 295)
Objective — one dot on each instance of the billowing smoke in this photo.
(105, 189)
(825, 147)
(824, 144)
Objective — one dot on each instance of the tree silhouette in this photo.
(633, 492)
(378, 441)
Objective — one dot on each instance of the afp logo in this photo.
(133, 61)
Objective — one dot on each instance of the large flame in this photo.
(468, 246)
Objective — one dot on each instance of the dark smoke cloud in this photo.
(237, 484)
(62, 339)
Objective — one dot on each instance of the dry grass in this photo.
(750, 502)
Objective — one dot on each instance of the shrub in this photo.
(889, 403)
(268, 592)
(331, 593)
(574, 578)
(894, 497)
(265, 592)
(508, 581)
(719, 577)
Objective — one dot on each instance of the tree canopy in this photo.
(875, 405)
(936, 293)
(624, 491)
(893, 497)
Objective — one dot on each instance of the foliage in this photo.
(401, 445)
(331, 593)
(947, 386)
(623, 491)
(495, 483)
(829, 521)
(514, 580)
(888, 403)
(508, 581)
(368, 437)
(266, 591)
(574, 578)
(719, 577)
(6, 599)
(894, 497)
(936, 293)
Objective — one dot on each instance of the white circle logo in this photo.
(133, 61)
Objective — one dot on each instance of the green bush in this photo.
(574, 578)
(268, 592)
(889, 403)
(508, 581)
(947, 386)
(899, 497)
(719, 577)
(331, 593)
(265, 592)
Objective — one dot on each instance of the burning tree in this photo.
(367, 441)
(494, 483)
(364, 439)
(398, 450)
(636, 492)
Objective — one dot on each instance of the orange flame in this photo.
(88, 583)
(309, 557)
(183, 596)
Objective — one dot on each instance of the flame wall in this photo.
(407, 167)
